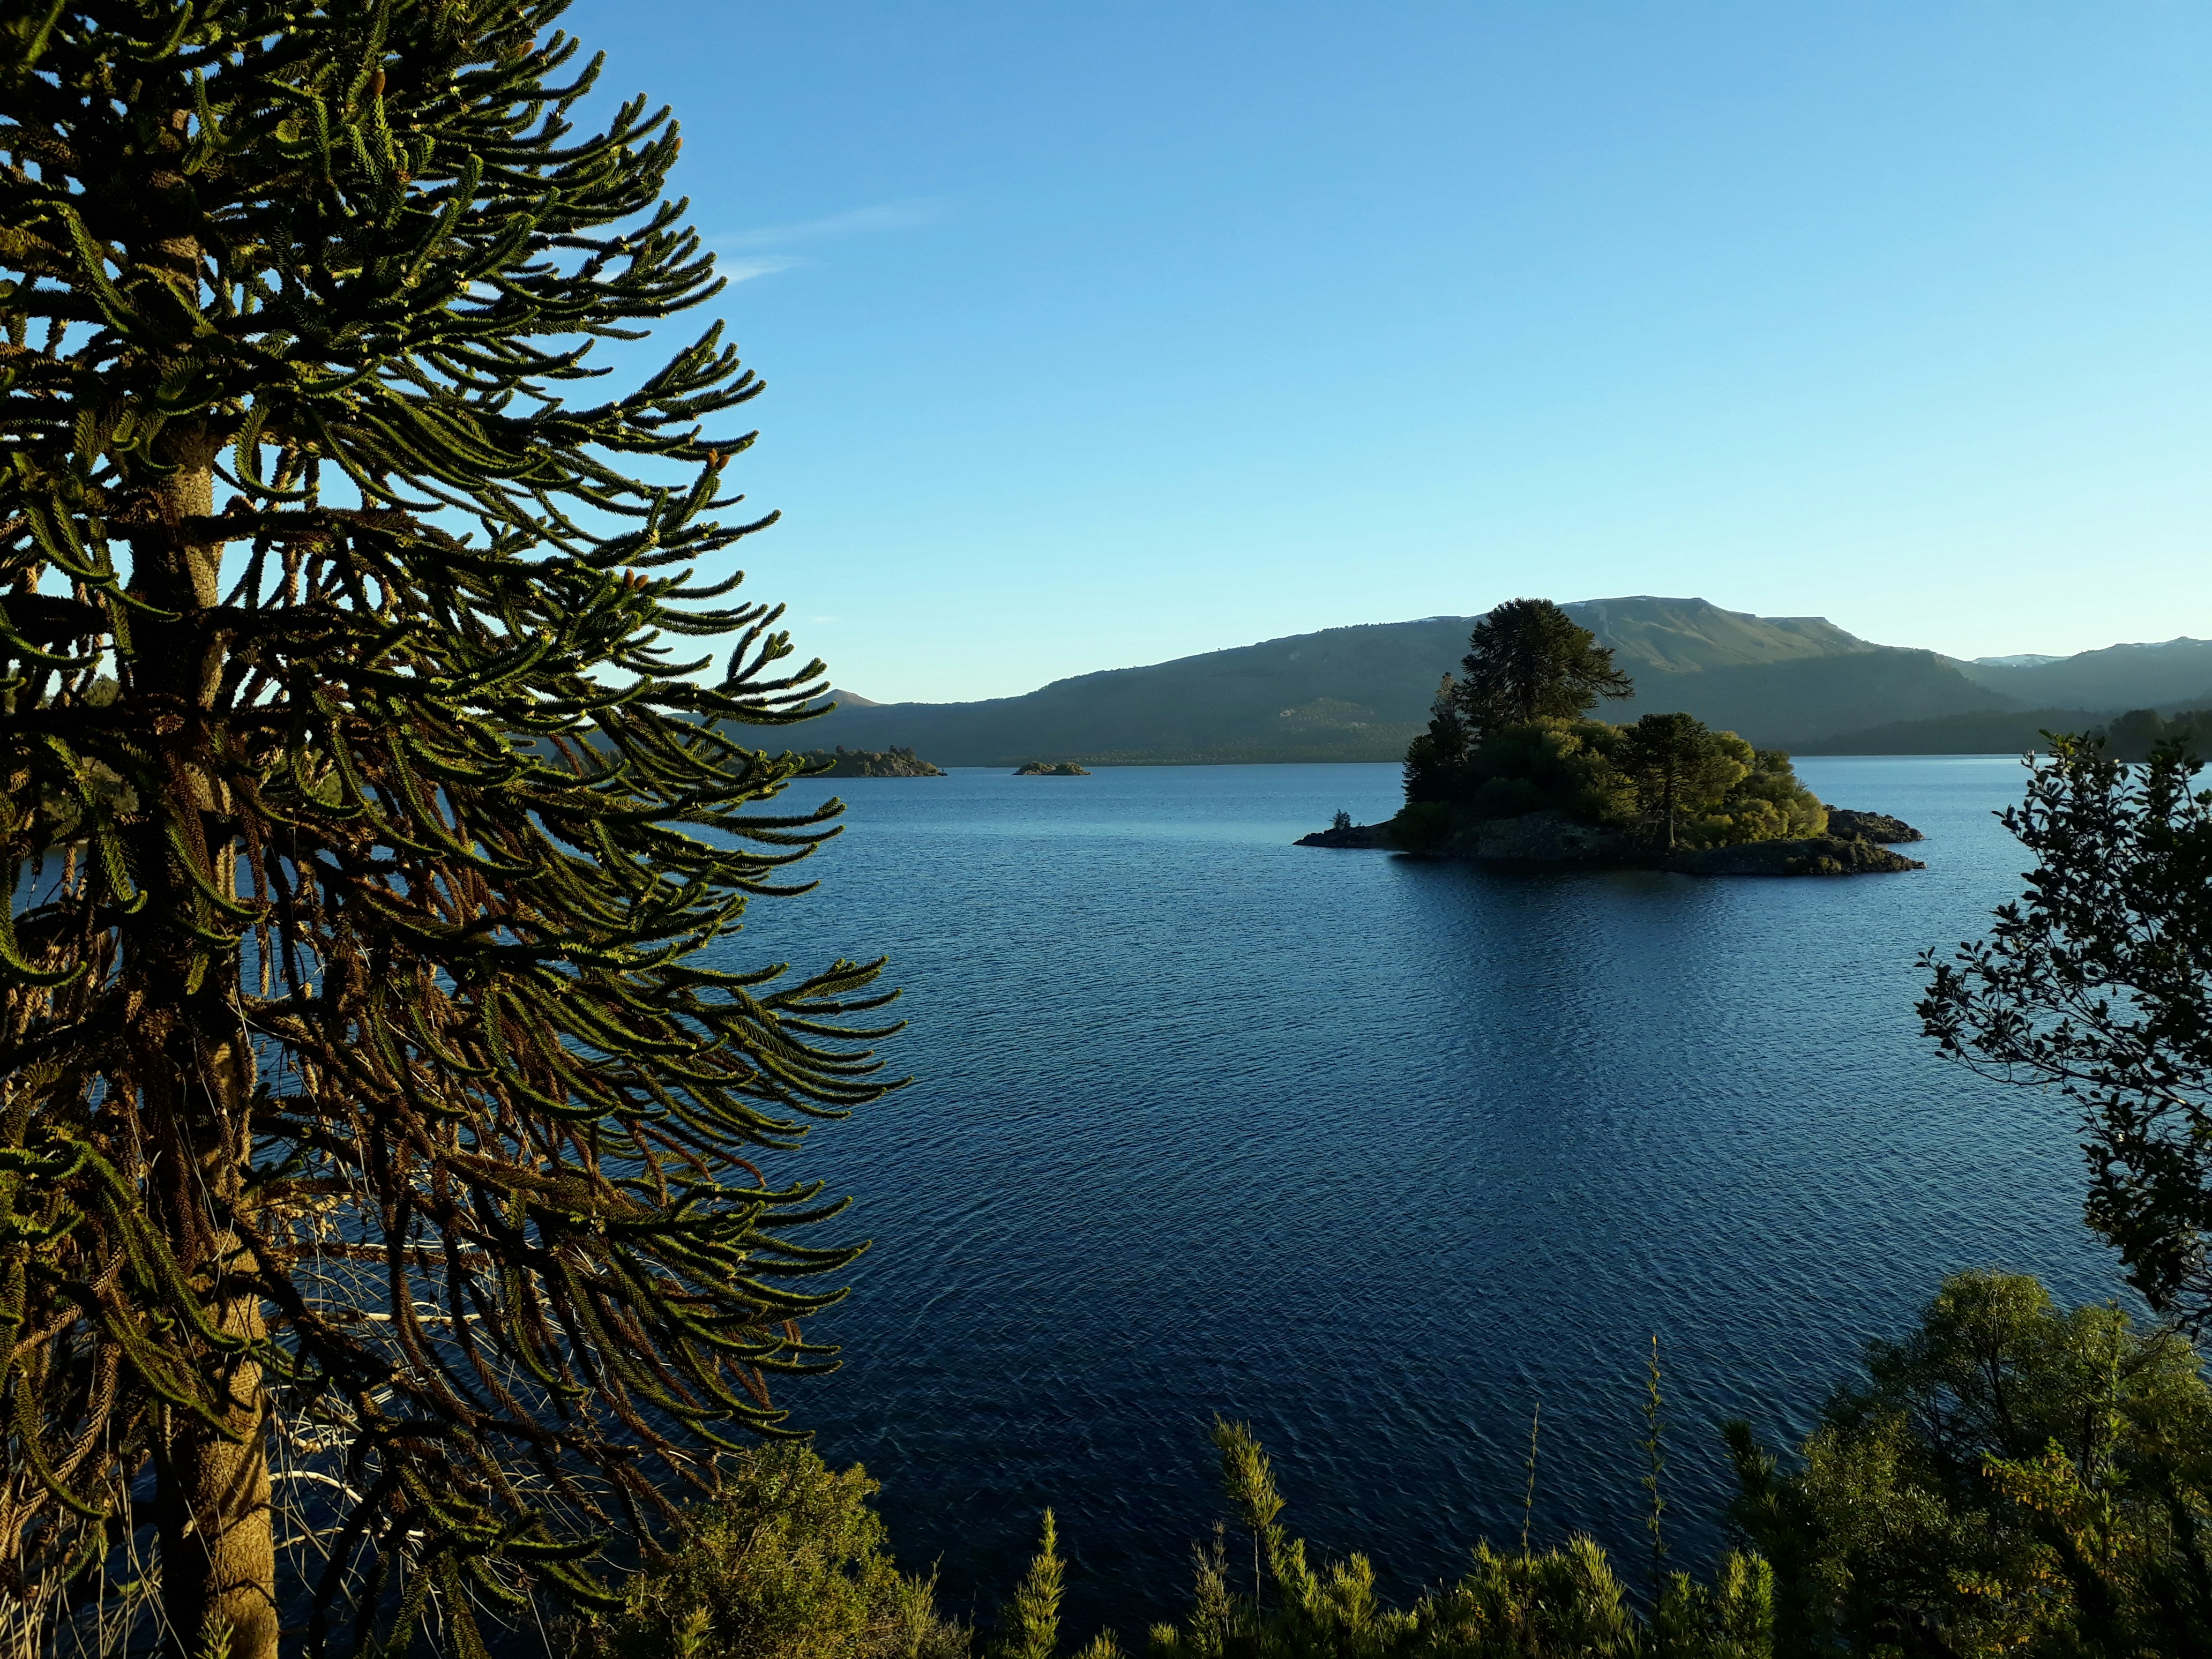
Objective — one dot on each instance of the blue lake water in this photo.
(1375, 1152)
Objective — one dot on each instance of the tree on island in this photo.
(1485, 755)
(2099, 980)
(1528, 659)
(378, 1097)
(1435, 757)
(1676, 765)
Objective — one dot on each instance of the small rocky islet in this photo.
(892, 763)
(1052, 770)
(1515, 770)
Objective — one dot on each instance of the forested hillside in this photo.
(1791, 705)
(1360, 694)
(1982, 731)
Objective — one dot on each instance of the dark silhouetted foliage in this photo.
(1667, 781)
(1528, 659)
(1437, 758)
(893, 763)
(2099, 980)
(1510, 738)
(2137, 734)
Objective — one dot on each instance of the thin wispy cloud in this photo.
(744, 270)
(857, 222)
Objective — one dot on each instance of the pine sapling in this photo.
(1654, 1451)
(1529, 1498)
(1035, 1633)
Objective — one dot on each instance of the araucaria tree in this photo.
(1436, 757)
(1528, 659)
(1677, 766)
(383, 1115)
(2100, 980)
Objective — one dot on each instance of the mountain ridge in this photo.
(1359, 692)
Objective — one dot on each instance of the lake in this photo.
(1374, 1153)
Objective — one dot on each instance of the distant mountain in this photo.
(1691, 636)
(2119, 677)
(1349, 694)
(1793, 705)
(1360, 694)
(1343, 694)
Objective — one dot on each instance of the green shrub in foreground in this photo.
(1564, 1603)
(786, 1562)
(2010, 1478)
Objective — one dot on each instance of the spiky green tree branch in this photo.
(376, 1090)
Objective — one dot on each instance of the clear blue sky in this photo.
(1100, 335)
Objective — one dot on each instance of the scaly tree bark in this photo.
(379, 1098)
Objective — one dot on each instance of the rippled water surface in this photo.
(1374, 1153)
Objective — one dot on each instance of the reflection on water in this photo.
(1375, 1152)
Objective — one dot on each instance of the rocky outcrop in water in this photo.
(1052, 770)
(1375, 836)
(1815, 856)
(1845, 824)
(1549, 841)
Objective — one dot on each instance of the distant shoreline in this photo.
(1147, 765)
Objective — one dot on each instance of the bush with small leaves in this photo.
(2010, 1478)
(787, 1561)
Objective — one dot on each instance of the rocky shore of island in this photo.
(1855, 844)
(1878, 826)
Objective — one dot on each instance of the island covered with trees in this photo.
(1515, 767)
(892, 763)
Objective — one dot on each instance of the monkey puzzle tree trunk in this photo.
(197, 1073)
(218, 1547)
(212, 1493)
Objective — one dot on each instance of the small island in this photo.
(871, 764)
(1052, 770)
(1513, 770)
